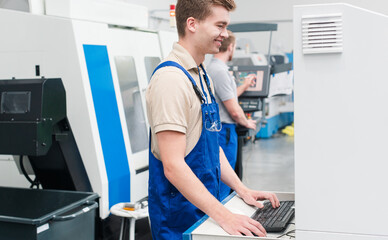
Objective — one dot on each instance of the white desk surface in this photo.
(206, 228)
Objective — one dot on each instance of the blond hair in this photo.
(226, 42)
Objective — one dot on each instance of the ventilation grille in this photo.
(322, 34)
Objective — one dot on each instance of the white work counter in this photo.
(206, 228)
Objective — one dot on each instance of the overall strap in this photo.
(175, 64)
(207, 84)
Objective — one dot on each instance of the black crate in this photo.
(34, 214)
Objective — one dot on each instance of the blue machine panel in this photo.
(109, 125)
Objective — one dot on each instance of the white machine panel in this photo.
(337, 236)
(167, 38)
(56, 54)
(340, 124)
(10, 175)
(131, 62)
(60, 47)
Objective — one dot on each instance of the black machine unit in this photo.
(27, 120)
(33, 122)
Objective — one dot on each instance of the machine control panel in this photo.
(249, 104)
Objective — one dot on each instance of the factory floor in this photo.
(268, 165)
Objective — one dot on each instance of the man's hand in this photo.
(233, 223)
(250, 80)
(251, 124)
(251, 197)
(236, 224)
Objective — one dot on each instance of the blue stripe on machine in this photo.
(108, 121)
(187, 234)
(227, 199)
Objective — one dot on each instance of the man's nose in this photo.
(224, 33)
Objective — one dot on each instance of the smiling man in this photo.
(186, 161)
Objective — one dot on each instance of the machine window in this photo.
(133, 107)
(15, 102)
(151, 63)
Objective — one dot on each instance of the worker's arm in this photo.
(230, 178)
(172, 151)
(248, 81)
(236, 112)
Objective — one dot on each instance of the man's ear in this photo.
(191, 24)
(230, 47)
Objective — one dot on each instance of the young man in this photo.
(186, 162)
(226, 95)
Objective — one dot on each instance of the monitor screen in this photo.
(261, 86)
(257, 86)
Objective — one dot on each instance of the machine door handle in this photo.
(76, 214)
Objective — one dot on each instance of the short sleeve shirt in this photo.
(224, 86)
(172, 104)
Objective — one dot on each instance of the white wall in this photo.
(273, 11)
(158, 9)
(280, 12)
(159, 12)
(19, 5)
(153, 4)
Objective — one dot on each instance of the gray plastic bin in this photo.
(34, 214)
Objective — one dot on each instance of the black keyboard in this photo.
(275, 219)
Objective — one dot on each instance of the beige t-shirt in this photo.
(171, 101)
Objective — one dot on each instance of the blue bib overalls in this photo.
(170, 212)
(228, 141)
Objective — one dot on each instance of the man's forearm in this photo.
(236, 112)
(241, 89)
(241, 119)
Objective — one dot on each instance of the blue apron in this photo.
(170, 213)
(228, 140)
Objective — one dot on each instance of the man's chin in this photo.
(214, 51)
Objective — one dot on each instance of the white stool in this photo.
(118, 210)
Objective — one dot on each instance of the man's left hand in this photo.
(251, 197)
